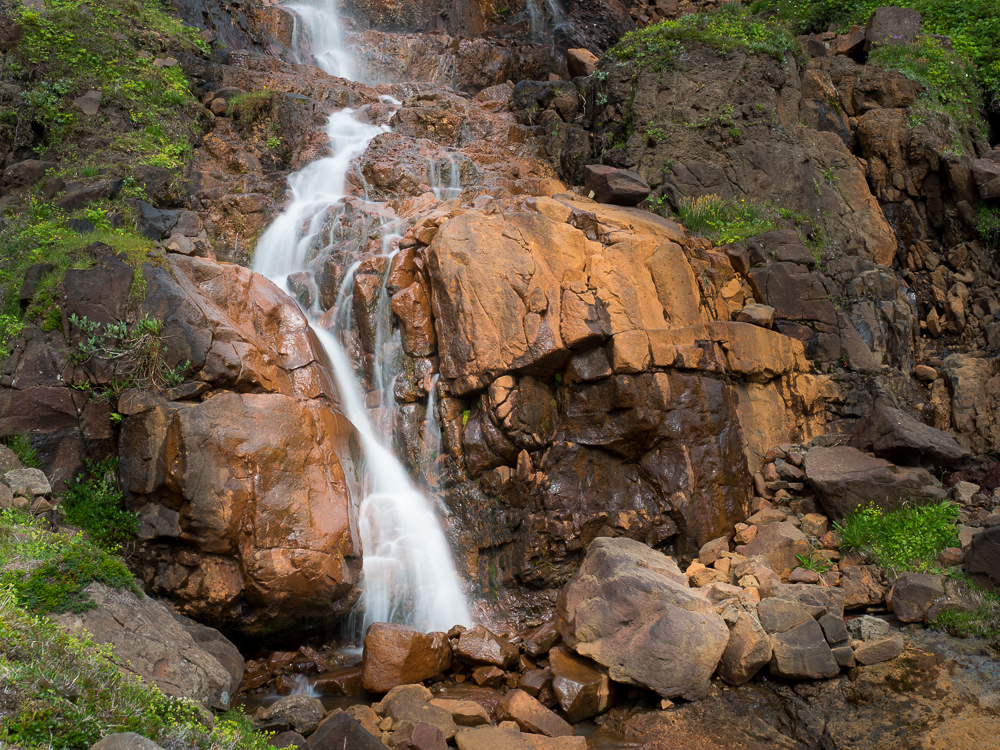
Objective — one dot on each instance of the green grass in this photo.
(972, 25)
(48, 572)
(949, 86)
(62, 691)
(909, 538)
(24, 450)
(727, 220)
(95, 503)
(731, 27)
(983, 623)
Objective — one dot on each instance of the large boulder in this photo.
(629, 609)
(622, 187)
(147, 641)
(894, 435)
(845, 478)
(913, 594)
(748, 650)
(398, 655)
(891, 25)
(582, 688)
(983, 561)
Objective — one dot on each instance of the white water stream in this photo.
(409, 574)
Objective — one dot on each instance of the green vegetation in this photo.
(76, 46)
(908, 538)
(38, 233)
(727, 220)
(61, 690)
(814, 562)
(972, 25)
(94, 502)
(250, 106)
(24, 450)
(988, 225)
(949, 86)
(731, 27)
(984, 622)
(134, 349)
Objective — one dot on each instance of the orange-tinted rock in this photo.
(582, 687)
(541, 639)
(398, 655)
(346, 681)
(531, 716)
(480, 646)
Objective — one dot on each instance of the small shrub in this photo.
(250, 106)
(814, 562)
(988, 226)
(94, 502)
(726, 220)
(907, 538)
(983, 623)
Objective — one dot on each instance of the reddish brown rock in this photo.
(480, 646)
(581, 686)
(864, 586)
(464, 713)
(748, 649)
(531, 716)
(778, 544)
(398, 655)
(541, 639)
(581, 62)
(621, 187)
(913, 594)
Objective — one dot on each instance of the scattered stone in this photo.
(803, 575)
(300, 713)
(758, 315)
(581, 62)
(868, 628)
(986, 173)
(875, 652)
(671, 646)
(488, 676)
(802, 653)
(963, 492)
(621, 187)
(464, 713)
(748, 649)
(541, 639)
(340, 730)
(951, 557)
(509, 738)
(412, 704)
(581, 686)
(778, 544)
(925, 373)
(766, 516)
(863, 586)
(286, 739)
(531, 716)
(711, 551)
(814, 524)
(89, 103)
(913, 594)
(779, 614)
(398, 655)
(26, 173)
(420, 736)
(534, 681)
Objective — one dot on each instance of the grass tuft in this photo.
(727, 220)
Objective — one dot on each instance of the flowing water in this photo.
(318, 33)
(409, 575)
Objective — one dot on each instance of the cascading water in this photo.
(317, 33)
(409, 575)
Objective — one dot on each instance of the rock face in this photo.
(629, 609)
(983, 561)
(150, 643)
(845, 478)
(398, 655)
(198, 471)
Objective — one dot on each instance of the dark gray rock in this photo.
(778, 615)
(913, 594)
(622, 187)
(125, 741)
(896, 436)
(892, 26)
(983, 561)
(340, 730)
(802, 653)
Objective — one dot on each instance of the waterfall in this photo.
(317, 33)
(443, 187)
(430, 437)
(409, 574)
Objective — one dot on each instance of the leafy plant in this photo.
(984, 622)
(988, 226)
(94, 502)
(814, 562)
(908, 538)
